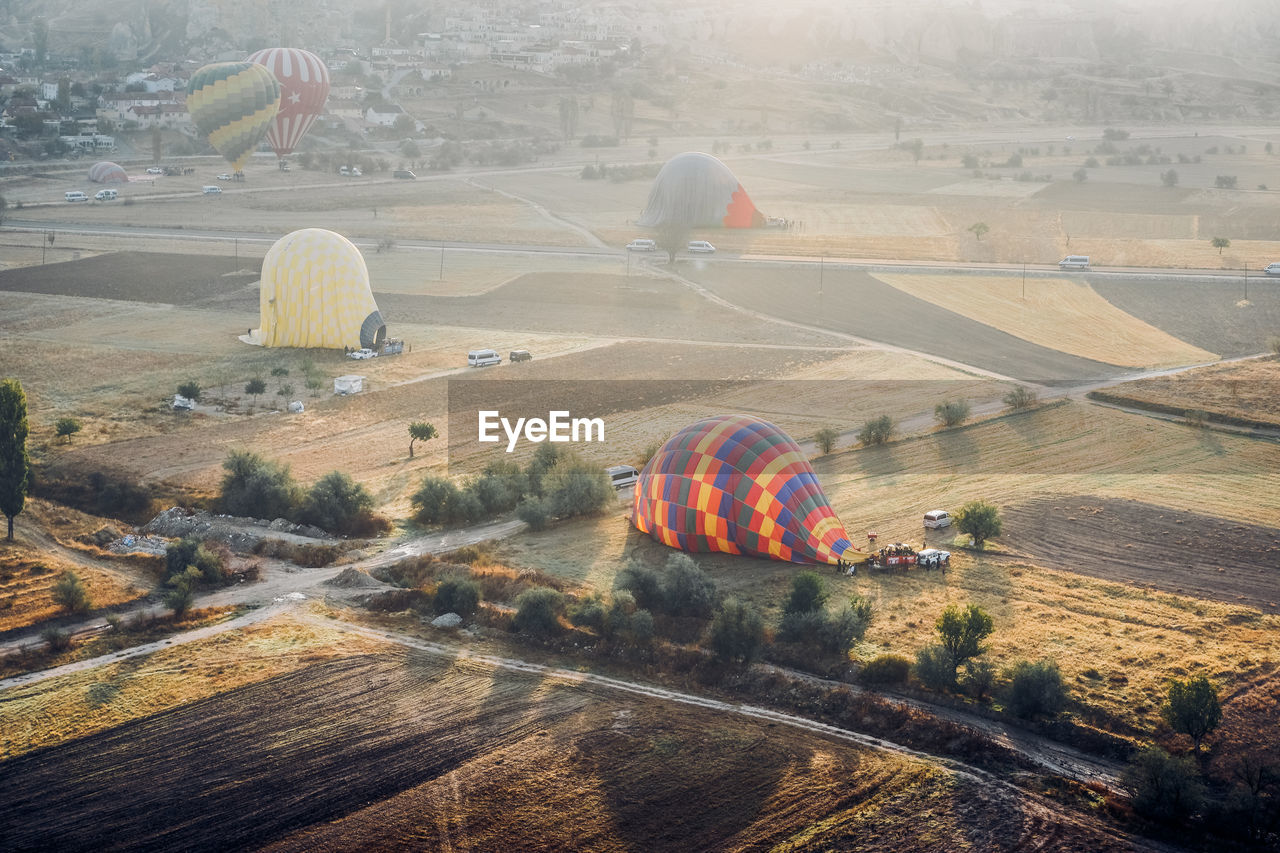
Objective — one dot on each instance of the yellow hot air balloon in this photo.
(233, 104)
(315, 294)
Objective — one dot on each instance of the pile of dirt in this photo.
(352, 578)
(241, 535)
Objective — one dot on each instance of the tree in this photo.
(961, 632)
(538, 611)
(70, 593)
(686, 589)
(643, 583)
(40, 39)
(934, 668)
(67, 427)
(254, 387)
(737, 633)
(257, 487)
(622, 110)
(1081, 175)
(1021, 397)
(672, 237)
(280, 372)
(1169, 178)
(190, 389)
(1036, 688)
(978, 229)
(1220, 243)
(182, 592)
(420, 431)
(15, 466)
(980, 520)
(979, 678)
(952, 412)
(576, 487)
(1163, 787)
(1192, 708)
(337, 503)
(1225, 182)
(62, 102)
(569, 116)
(4, 207)
(808, 593)
(916, 147)
(876, 431)
(457, 595)
(826, 439)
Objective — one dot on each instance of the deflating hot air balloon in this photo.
(304, 87)
(107, 172)
(738, 485)
(698, 190)
(315, 294)
(233, 103)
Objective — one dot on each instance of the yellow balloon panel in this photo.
(315, 292)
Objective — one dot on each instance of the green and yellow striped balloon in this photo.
(233, 104)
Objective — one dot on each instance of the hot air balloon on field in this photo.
(315, 294)
(233, 103)
(738, 485)
(697, 189)
(107, 172)
(304, 88)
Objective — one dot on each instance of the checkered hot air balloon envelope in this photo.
(233, 104)
(304, 88)
(738, 485)
(316, 294)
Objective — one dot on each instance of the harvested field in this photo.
(857, 303)
(174, 279)
(340, 755)
(1149, 545)
(1057, 313)
(1247, 392)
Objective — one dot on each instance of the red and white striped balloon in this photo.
(304, 88)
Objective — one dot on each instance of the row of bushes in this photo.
(261, 488)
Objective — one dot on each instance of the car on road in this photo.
(1272, 269)
(362, 353)
(641, 244)
(211, 190)
(352, 172)
(105, 195)
(154, 170)
(404, 174)
(224, 177)
(75, 195)
(700, 246)
(483, 358)
(1074, 262)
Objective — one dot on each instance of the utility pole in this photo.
(441, 278)
(1246, 281)
(1024, 281)
(822, 266)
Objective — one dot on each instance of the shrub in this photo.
(494, 494)
(337, 503)
(935, 669)
(182, 593)
(876, 431)
(980, 520)
(808, 592)
(538, 611)
(802, 627)
(208, 561)
(70, 593)
(1164, 787)
(533, 512)
(1273, 344)
(640, 629)
(686, 589)
(257, 487)
(57, 639)
(961, 632)
(457, 595)
(644, 584)
(952, 412)
(436, 501)
(1035, 689)
(588, 613)
(544, 459)
(885, 669)
(574, 487)
(979, 678)
(1021, 397)
(737, 632)
(190, 389)
(826, 439)
(67, 427)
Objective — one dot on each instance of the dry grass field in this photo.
(1247, 390)
(1057, 313)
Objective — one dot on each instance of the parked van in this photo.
(937, 518)
(404, 174)
(76, 195)
(642, 244)
(483, 358)
(1074, 262)
(520, 355)
(105, 195)
(622, 476)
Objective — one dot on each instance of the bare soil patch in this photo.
(341, 753)
(172, 279)
(1150, 545)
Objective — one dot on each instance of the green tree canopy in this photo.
(337, 503)
(980, 520)
(257, 487)
(1192, 708)
(15, 465)
(420, 431)
(961, 632)
(808, 593)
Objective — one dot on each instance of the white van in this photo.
(105, 195)
(937, 518)
(483, 358)
(76, 195)
(622, 476)
(641, 244)
(1074, 262)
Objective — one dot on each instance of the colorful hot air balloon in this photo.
(107, 172)
(697, 189)
(304, 87)
(315, 293)
(738, 485)
(233, 103)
